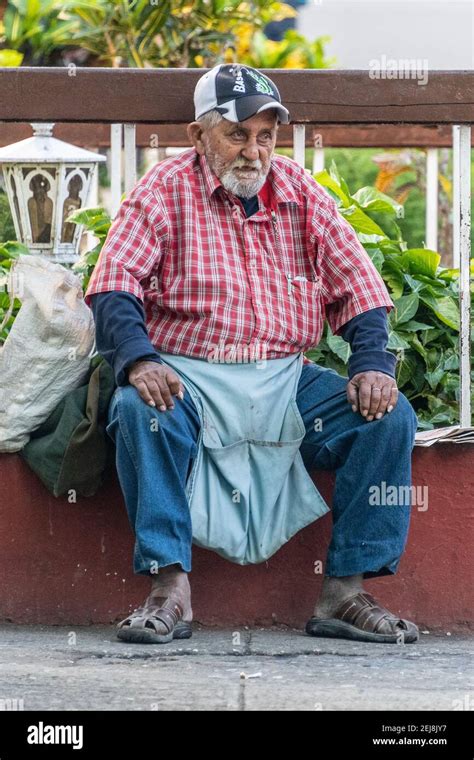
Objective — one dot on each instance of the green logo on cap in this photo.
(262, 84)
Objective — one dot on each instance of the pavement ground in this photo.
(88, 668)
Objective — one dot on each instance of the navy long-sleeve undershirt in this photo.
(121, 336)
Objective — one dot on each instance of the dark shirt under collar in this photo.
(250, 204)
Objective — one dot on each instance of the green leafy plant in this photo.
(97, 221)
(36, 31)
(144, 34)
(424, 326)
(175, 33)
(7, 228)
(294, 51)
(9, 252)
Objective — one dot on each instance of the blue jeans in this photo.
(155, 452)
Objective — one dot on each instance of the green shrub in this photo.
(9, 252)
(7, 229)
(424, 326)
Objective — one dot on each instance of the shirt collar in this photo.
(211, 181)
(283, 190)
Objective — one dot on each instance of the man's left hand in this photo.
(372, 394)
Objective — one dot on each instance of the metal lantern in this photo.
(46, 180)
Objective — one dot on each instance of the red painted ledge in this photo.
(71, 564)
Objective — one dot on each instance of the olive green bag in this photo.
(71, 451)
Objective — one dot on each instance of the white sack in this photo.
(47, 352)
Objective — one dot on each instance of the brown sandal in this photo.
(359, 618)
(144, 624)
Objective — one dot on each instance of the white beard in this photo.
(245, 188)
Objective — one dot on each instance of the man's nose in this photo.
(250, 152)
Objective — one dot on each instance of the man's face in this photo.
(239, 153)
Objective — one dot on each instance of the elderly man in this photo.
(215, 278)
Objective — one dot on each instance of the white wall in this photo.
(441, 31)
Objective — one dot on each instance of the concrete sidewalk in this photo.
(87, 668)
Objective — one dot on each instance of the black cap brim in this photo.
(252, 104)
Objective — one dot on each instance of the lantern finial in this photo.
(42, 129)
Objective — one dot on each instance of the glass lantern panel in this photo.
(71, 204)
(84, 169)
(40, 209)
(16, 206)
(50, 170)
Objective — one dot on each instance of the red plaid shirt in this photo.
(210, 277)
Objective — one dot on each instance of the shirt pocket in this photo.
(307, 305)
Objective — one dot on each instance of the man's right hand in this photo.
(156, 383)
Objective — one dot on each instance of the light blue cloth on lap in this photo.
(248, 491)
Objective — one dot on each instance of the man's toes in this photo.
(156, 625)
(393, 627)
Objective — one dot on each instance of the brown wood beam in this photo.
(331, 135)
(165, 96)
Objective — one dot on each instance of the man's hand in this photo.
(372, 394)
(156, 383)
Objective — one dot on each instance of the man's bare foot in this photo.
(363, 618)
(172, 582)
(334, 592)
(166, 613)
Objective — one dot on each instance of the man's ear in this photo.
(194, 131)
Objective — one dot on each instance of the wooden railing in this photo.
(124, 98)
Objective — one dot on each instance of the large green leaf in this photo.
(405, 369)
(396, 341)
(451, 360)
(428, 336)
(417, 345)
(421, 261)
(94, 219)
(376, 256)
(334, 172)
(12, 250)
(393, 276)
(445, 309)
(339, 346)
(371, 199)
(325, 179)
(406, 307)
(434, 377)
(412, 282)
(412, 326)
(360, 221)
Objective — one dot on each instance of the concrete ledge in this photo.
(70, 564)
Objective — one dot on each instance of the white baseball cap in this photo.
(237, 92)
